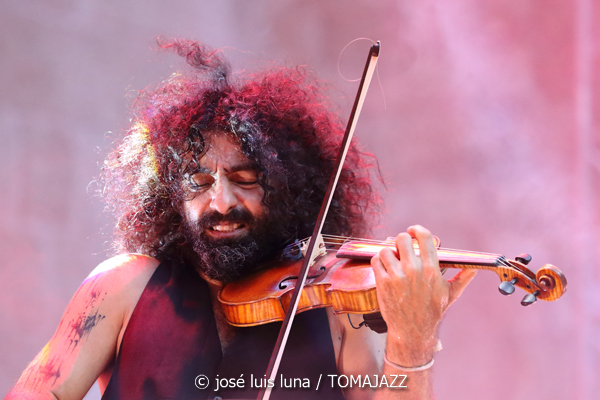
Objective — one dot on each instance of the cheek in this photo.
(253, 202)
(187, 214)
(192, 209)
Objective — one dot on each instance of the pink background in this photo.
(485, 125)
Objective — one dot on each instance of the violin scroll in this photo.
(548, 284)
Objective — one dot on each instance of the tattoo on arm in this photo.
(76, 325)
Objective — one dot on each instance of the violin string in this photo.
(345, 238)
(365, 240)
(388, 242)
(336, 240)
(500, 258)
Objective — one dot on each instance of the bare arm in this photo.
(413, 297)
(86, 340)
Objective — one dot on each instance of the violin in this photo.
(341, 277)
(337, 273)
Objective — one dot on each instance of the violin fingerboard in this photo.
(356, 250)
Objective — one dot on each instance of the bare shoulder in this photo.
(122, 279)
(128, 267)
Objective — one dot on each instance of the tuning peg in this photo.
(530, 298)
(523, 258)
(506, 287)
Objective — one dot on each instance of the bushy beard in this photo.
(230, 259)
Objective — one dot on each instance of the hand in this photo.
(413, 296)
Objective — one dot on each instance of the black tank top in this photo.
(171, 340)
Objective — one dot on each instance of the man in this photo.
(214, 177)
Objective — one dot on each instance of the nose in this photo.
(223, 198)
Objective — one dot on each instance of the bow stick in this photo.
(309, 257)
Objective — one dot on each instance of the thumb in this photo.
(459, 282)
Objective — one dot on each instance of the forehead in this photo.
(223, 151)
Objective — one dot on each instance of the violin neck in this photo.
(449, 258)
(464, 259)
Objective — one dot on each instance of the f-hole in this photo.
(283, 284)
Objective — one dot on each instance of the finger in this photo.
(427, 248)
(459, 283)
(390, 262)
(406, 251)
(378, 268)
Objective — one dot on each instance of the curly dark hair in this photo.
(283, 123)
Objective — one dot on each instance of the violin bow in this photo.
(284, 332)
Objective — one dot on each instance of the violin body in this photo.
(265, 297)
(342, 278)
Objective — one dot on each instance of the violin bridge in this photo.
(318, 251)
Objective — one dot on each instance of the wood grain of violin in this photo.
(341, 277)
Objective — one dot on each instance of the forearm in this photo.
(39, 380)
(24, 393)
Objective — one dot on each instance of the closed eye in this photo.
(244, 178)
(250, 183)
(200, 181)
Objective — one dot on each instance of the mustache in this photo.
(235, 216)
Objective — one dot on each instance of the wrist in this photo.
(411, 353)
(416, 368)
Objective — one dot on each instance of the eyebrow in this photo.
(247, 166)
